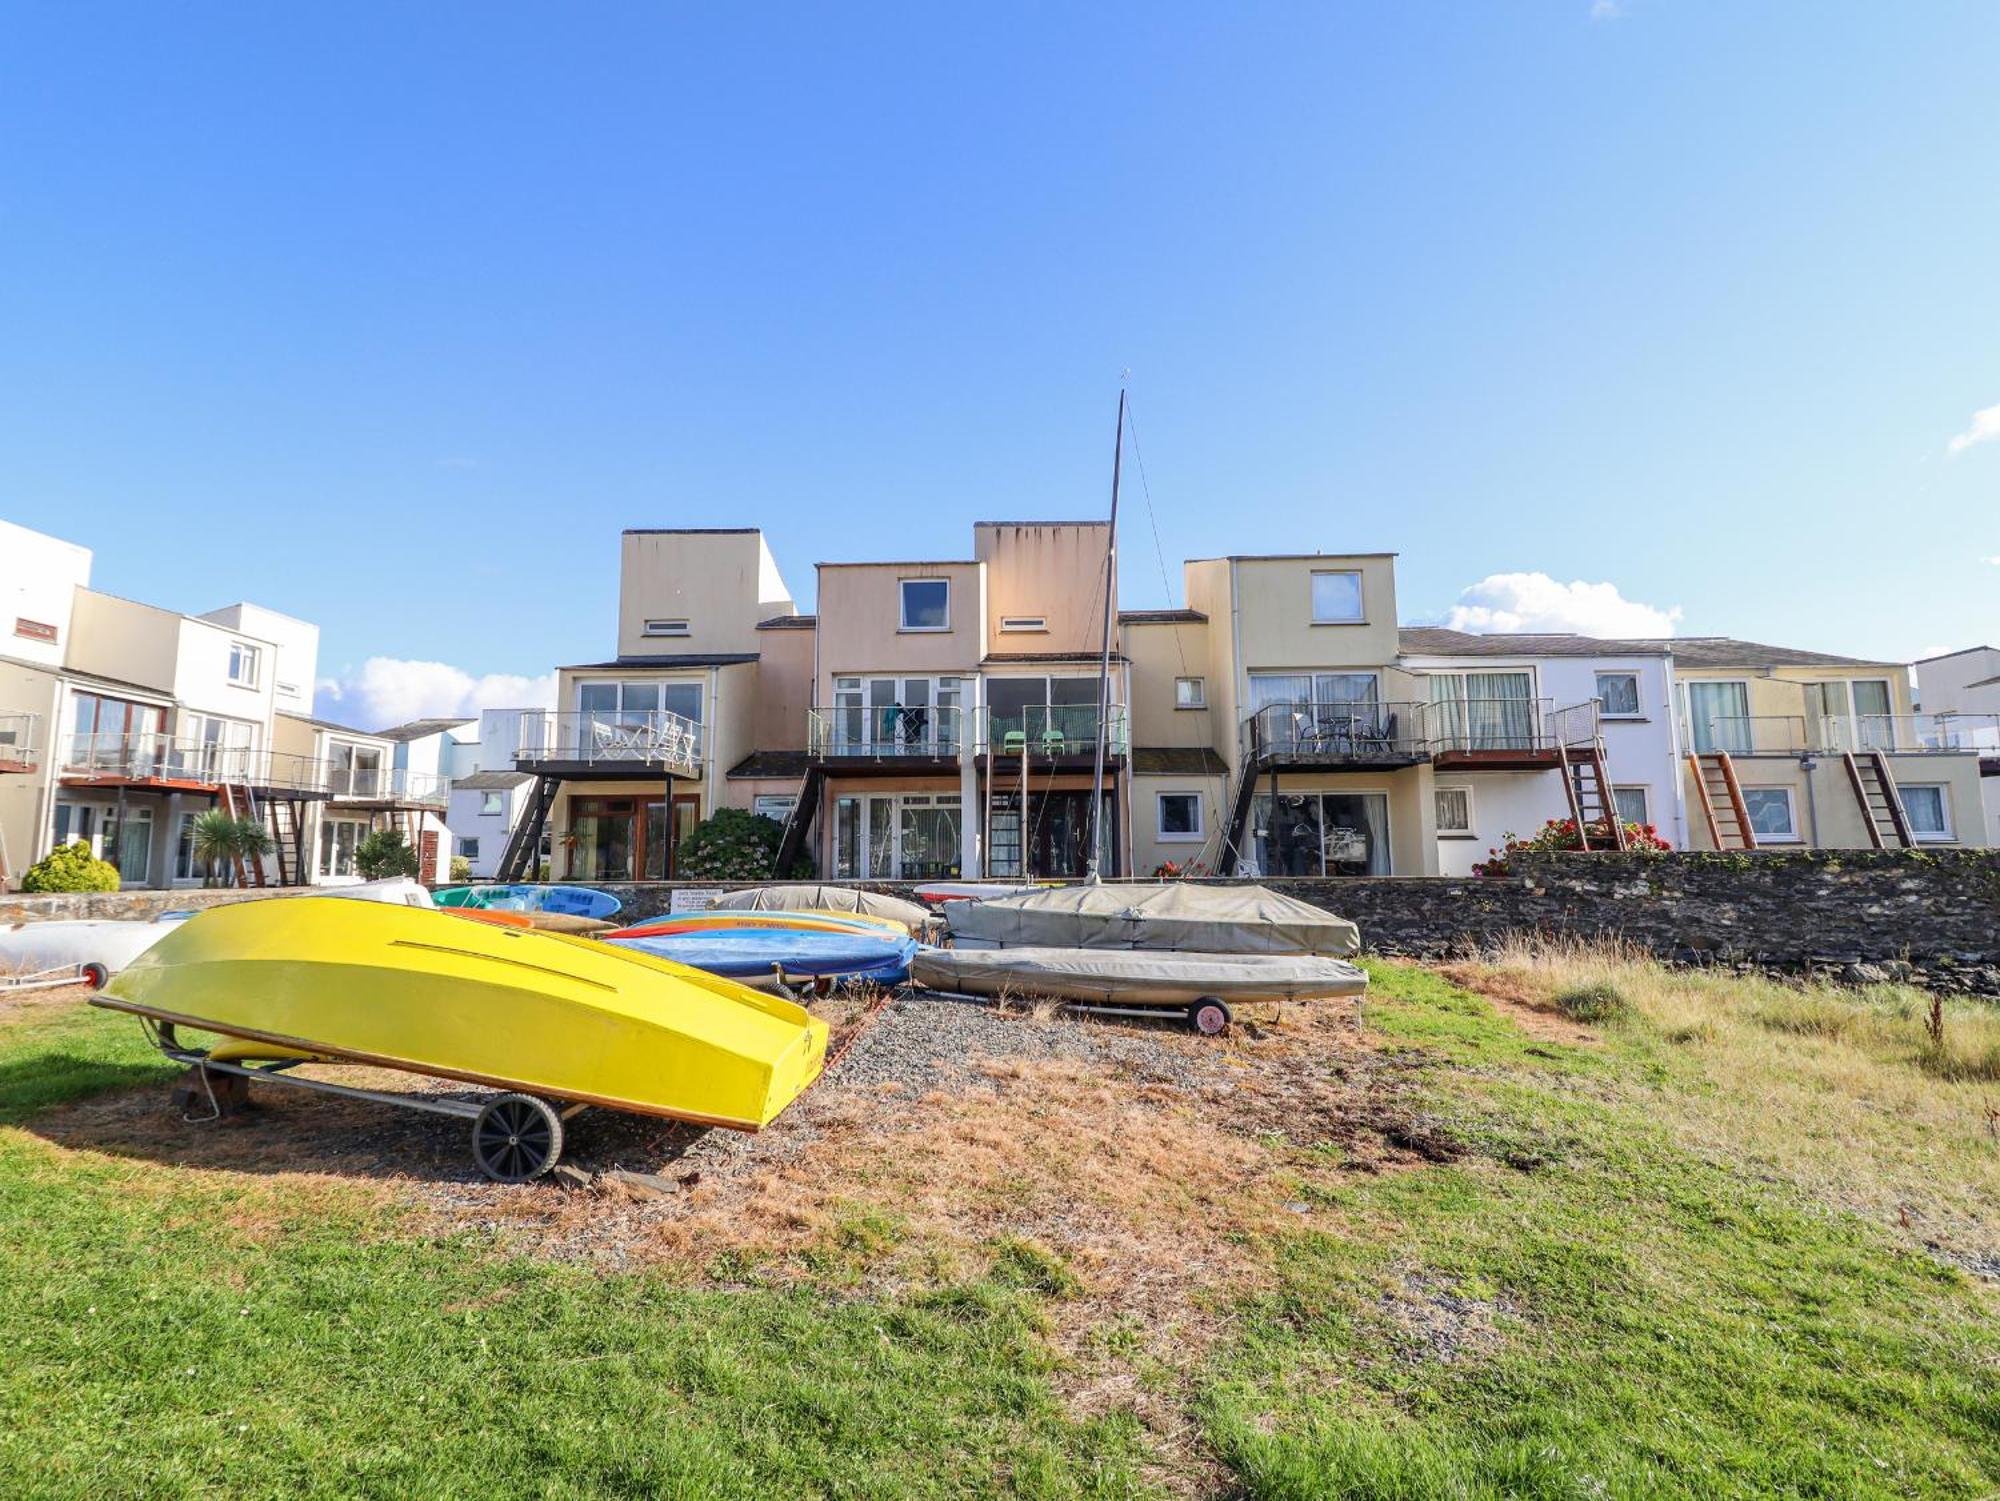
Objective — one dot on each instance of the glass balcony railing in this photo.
(148, 757)
(883, 731)
(1055, 731)
(1913, 734)
(1748, 735)
(20, 741)
(647, 740)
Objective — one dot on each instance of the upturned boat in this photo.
(789, 956)
(1172, 915)
(544, 1014)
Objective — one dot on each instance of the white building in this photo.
(1967, 683)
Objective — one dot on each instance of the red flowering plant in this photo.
(1560, 834)
(1170, 871)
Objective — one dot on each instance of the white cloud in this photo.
(392, 690)
(1606, 10)
(1994, 560)
(1985, 427)
(1536, 602)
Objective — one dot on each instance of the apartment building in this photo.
(488, 796)
(1958, 694)
(1790, 748)
(127, 721)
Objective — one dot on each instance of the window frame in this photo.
(245, 652)
(1360, 616)
(1199, 835)
(671, 627)
(1790, 795)
(492, 804)
(1645, 796)
(903, 625)
(1949, 833)
(468, 847)
(1014, 624)
(1198, 699)
(1638, 709)
(1464, 790)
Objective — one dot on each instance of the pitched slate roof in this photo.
(772, 763)
(1694, 651)
(416, 729)
(1161, 617)
(788, 623)
(328, 724)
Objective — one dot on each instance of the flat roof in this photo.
(1099, 522)
(691, 531)
(1161, 617)
(788, 623)
(1945, 656)
(909, 563)
(685, 659)
(1289, 557)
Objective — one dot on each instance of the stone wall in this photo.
(1927, 915)
(124, 906)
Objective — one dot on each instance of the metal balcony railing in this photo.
(149, 757)
(1508, 724)
(649, 740)
(1912, 734)
(876, 733)
(1336, 731)
(20, 740)
(1055, 730)
(1748, 735)
(385, 784)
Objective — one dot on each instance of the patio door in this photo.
(1484, 710)
(1719, 717)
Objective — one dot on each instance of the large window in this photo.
(1322, 834)
(896, 716)
(1454, 812)
(215, 747)
(1772, 816)
(617, 702)
(1475, 711)
(1042, 715)
(1928, 809)
(1336, 598)
(1180, 817)
(908, 836)
(1618, 694)
(111, 732)
(338, 839)
(926, 605)
(353, 771)
(187, 865)
(1718, 716)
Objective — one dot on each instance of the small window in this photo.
(291, 690)
(1771, 815)
(926, 605)
(1454, 812)
(1618, 694)
(1190, 693)
(666, 628)
(1632, 804)
(1024, 622)
(243, 665)
(1928, 811)
(493, 804)
(1336, 598)
(775, 806)
(1180, 816)
(469, 848)
(33, 630)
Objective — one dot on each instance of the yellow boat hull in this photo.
(542, 1013)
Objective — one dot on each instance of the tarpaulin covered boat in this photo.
(1165, 915)
(789, 954)
(808, 896)
(572, 901)
(712, 921)
(543, 1013)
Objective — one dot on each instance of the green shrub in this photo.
(461, 870)
(383, 854)
(733, 845)
(1598, 1001)
(70, 867)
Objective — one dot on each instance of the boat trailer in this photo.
(515, 1137)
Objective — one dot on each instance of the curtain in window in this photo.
(1719, 717)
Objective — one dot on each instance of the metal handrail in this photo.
(1510, 724)
(877, 731)
(1336, 729)
(20, 738)
(650, 738)
(1749, 734)
(1054, 730)
(150, 756)
(1912, 734)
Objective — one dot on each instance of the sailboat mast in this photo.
(1093, 874)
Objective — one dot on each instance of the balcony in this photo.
(1333, 735)
(603, 745)
(380, 786)
(20, 742)
(1055, 732)
(1749, 735)
(1913, 734)
(1507, 734)
(162, 763)
(851, 733)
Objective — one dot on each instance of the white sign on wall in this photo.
(693, 898)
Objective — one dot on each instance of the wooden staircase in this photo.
(1881, 804)
(241, 803)
(1721, 799)
(285, 817)
(799, 822)
(1587, 781)
(525, 843)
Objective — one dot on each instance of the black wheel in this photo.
(1209, 1016)
(516, 1137)
(96, 976)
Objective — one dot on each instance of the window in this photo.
(1336, 598)
(187, 867)
(1024, 622)
(1180, 816)
(926, 605)
(910, 836)
(1632, 805)
(896, 716)
(242, 664)
(1190, 693)
(1771, 816)
(666, 628)
(1044, 715)
(1928, 810)
(353, 771)
(1454, 812)
(214, 747)
(1322, 834)
(338, 838)
(775, 806)
(1718, 716)
(492, 805)
(613, 702)
(1475, 711)
(1618, 694)
(468, 849)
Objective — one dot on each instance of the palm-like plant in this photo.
(219, 840)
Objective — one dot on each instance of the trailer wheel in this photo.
(95, 975)
(516, 1137)
(1209, 1016)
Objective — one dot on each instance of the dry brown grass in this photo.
(1842, 1092)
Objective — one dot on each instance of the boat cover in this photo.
(796, 953)
(1164, 915)
(1135, 977)
(809, 897)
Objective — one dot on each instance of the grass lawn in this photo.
(1633, 1234)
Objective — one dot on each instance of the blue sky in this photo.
(392, 317)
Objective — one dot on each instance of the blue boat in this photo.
(571, 901)
(793, 953)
